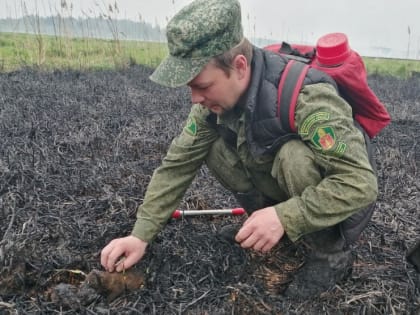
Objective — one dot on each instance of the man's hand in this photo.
(261, 231)
(122, 253)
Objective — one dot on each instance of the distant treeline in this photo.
(97, 27)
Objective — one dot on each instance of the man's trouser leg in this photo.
(226, 166)
(329, 259)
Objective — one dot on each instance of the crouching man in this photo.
(316, 184)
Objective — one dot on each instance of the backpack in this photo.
(332, 55)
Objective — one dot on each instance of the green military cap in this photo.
(200, 31)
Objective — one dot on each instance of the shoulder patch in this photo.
(191, 126)
(324, 138)
(311, 120)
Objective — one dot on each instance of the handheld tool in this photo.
(180, 213)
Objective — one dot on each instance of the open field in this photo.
(77, 152)
(52, 52)
(60, 52)
(392, 67)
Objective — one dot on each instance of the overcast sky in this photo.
(368, 23)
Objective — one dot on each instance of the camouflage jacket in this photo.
(324, 122)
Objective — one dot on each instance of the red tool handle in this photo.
(238, 211)
(177, 214)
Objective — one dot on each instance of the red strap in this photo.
(288, 91)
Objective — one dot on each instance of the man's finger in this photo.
(104, 255)
(259, 245)
(250, 241)
(113, 257)
(244, 233)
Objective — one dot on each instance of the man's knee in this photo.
(296, 155)
(225, 164)
(295, 167)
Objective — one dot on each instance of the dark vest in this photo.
(264, 131)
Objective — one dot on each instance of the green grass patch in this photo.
(51, 52)
(393, 67)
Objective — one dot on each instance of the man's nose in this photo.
(196, 97)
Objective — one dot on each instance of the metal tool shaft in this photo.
(235, 211)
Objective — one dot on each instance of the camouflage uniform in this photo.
(313, 188)
(318, 183)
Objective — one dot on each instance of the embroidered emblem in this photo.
(308, 122)
(191, 126)
(324, 138)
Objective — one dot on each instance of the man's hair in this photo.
(224, 61)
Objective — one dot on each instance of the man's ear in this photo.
(240, 64)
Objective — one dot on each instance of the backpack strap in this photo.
(288, 91)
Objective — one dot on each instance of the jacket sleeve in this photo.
(324, 122)
(170, 181)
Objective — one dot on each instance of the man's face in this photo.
(214, 89)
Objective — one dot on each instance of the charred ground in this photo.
(77, 150)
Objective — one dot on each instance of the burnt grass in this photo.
(77, 150)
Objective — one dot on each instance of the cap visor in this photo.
(175, 72)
